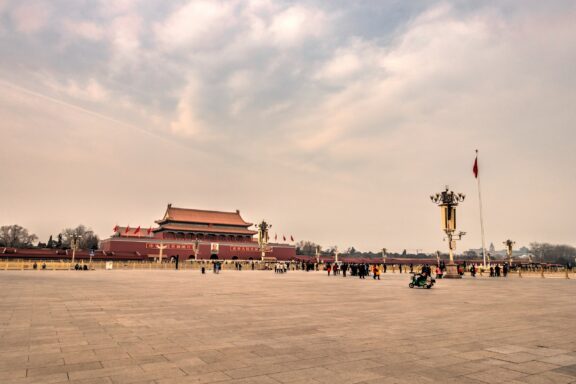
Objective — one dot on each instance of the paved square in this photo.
(257, 327)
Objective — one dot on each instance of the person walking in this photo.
(376, 272)
(328, 268)
(344, 269)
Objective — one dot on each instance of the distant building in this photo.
(195, 233)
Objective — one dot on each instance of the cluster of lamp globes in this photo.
(447, 197)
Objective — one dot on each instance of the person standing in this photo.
(328, 268)
(344, 269)
(376, 272)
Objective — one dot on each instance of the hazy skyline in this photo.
(334, 121)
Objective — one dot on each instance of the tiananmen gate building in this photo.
(195, 233)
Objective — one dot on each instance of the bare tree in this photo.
(351, 251)
(552, 253)
(307, 248)
(16, 236)
(87, 238)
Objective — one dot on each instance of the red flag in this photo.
(149, 231)
(137, 230)
(116, 228)
(284, 237)
(291, 238)
(475, 167)
(127, 229)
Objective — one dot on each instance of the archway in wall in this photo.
(213, 257)
(234, 257)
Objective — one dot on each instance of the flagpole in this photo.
(481, 215)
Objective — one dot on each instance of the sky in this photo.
(334, 121)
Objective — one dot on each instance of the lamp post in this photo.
(336, 255)
(448, 201)
(317, 254)
(196, 249)
(263, 228)
(91, 256)
(384, 252)
(74, 245)
(161, 247)
(509, 245)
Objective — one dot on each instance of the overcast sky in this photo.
(334, 120)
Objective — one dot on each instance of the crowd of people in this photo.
(280, 267)
(362, 270)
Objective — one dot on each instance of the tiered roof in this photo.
(197, 220)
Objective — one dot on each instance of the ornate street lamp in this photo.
(509, 245)
(74, 242)
(448, 201)
(318, 249)
(263, 228)
(161, 247)
(384, 252)
(196, 249)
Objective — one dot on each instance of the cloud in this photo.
(85, 29)
(92, 90)
(198, 23)
(31, 17)
(187, 123)
(297, 23)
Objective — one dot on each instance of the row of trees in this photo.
(552, 253)
(16, 236)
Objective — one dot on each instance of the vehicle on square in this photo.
(422, 281)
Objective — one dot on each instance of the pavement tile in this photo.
(211, 377)
(567, 370)
(547, 378)
(532, 367)
(560, 360)
(496, 375)
(63, 368)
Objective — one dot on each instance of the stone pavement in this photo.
(170, 327)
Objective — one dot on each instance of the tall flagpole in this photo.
(481, 216)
